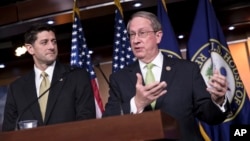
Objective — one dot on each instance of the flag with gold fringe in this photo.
(207, 47)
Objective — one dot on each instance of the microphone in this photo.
(97, 64)
(35, 100)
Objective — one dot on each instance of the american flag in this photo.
(81, 58)
(122, 53)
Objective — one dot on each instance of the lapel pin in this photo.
(168, 68)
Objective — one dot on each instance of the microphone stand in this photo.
(28, 106)
(35, 100)
(120, 100)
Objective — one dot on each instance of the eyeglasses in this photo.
(141, 34)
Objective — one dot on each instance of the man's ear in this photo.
(29, 48)
(159, 35)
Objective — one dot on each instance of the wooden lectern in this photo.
(146, 126)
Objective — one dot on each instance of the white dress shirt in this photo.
(158, 63)
(38, 77)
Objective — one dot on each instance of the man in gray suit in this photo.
(178, 88)
(70, 96)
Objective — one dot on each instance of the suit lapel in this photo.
(168, 70)
(133, 69)
(131, 79)
(167, 75)
(56, 88)
(31, 96)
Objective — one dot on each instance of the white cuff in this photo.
(222, 108)
(133, 109)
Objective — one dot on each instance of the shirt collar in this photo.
(49, 71)
(158, 61)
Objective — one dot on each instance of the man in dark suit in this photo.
(178, 87)
(70, 97)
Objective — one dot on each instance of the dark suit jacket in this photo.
(186, 98)
(70, 98)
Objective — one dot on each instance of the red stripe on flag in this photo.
(97, 95)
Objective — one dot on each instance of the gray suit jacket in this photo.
(186, 98)
(70, 98)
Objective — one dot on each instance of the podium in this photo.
(138, 127)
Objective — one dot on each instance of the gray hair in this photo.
(156, 25)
